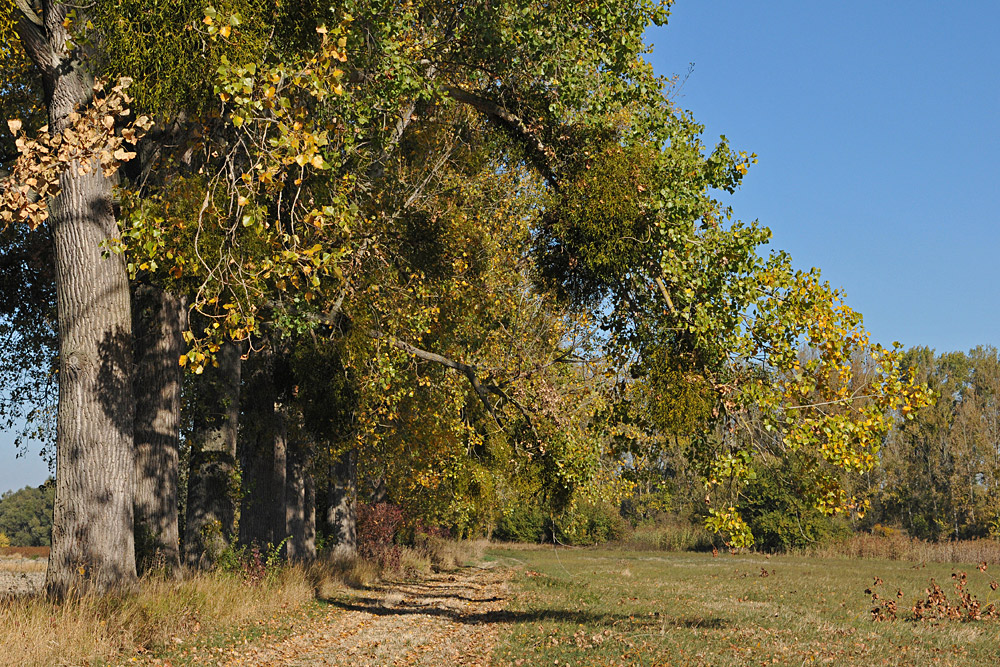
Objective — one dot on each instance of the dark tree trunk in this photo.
(92, 539)
(160, 319)
(262, 456)
(341, 516)
(300, 503)
(309, 533)
(211, 503)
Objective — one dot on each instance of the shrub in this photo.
(592, 523)
(376, 530)
(780, 518)
(524, 523)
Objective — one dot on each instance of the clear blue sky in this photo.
(17, 473)
(877, 125)
(878, 130)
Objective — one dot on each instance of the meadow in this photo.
(541, 606)
(620, 607)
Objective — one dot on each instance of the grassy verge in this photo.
(157, 616)
(616, 607)
(202, 619)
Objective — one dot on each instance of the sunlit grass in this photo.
(613, 607)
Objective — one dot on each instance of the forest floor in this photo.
(441, 619)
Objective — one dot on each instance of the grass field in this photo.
(610, 607)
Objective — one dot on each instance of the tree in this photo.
(26, 515)
(939, 470)
(213, 481)
(92, 532)
(160, 319)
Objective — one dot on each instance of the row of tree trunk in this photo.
(251, 456)
(119, 415)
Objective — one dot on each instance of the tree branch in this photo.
(542, 155)
(31, 31)
(470, 372)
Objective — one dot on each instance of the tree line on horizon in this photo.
(258, 260)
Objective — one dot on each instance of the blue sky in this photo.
(877, 125)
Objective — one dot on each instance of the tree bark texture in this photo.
(300, 501)
(262, 455)
(92, 540)
(212, 485)
(341, 514)
(159, 321)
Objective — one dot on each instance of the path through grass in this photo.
(606, 607)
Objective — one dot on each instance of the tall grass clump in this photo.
(894, 544)
(671, 535)
(102, 629)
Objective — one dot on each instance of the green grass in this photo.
(613, 607)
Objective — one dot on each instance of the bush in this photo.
(591, 523)
(586, 523)
(376, 529)
(524, 523)
(780, 518)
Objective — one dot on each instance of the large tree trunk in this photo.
(211, 503)
(300, 501)
(160, 319)
(341, 514)
(92, 540)
(262, 456)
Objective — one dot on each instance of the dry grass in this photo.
(25, 552)
(894, 545)
(19, 565)
(329, 576)
(447, 555)
(203, 608)
(431, 554)
(671, 536)
(99, 629)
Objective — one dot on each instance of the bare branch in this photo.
(470, 372)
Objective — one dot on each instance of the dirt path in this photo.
(445, 619)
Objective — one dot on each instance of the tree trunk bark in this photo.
(262, 456)
(300, 517)
(160, 319)
(341, 515)
(211, 504)
(92, 539)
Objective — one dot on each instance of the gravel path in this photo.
(445, 619)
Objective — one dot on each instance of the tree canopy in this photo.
(483, 244)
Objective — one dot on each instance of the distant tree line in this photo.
(26, 515)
